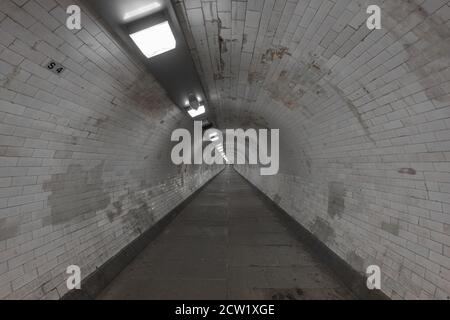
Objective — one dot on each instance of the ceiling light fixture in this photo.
(142, 10)
(195, 113)
(194, 102)
(155, 40)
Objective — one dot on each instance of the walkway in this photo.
(226, 244)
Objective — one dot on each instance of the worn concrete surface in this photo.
(226, 244)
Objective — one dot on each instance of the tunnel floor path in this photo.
(226, 244)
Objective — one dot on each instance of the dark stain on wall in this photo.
(96, 122)
(139, 219)
(251, 120)
(410, 171)
(336, 199)
(255, 77)
(322, 230)
(10, 77)
(285, 91)
(75, 193)
(8, 228)
(244, 39)
(355, 261)
(435, 32)
(292, 86)
(112, 214)
(222, 49)
(277, 199)
(392, 228)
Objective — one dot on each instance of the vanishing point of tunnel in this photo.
(224, 149)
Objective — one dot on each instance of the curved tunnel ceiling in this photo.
(268, 60)
(314, 69)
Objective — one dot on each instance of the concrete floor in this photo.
(226, 244)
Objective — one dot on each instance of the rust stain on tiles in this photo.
(274, 54)
(285, 91)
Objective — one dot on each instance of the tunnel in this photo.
(224, 150)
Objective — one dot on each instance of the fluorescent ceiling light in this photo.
(141, 10)
(195, 113)
(155, 40)
(194, 103)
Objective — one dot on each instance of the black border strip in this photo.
(353, 279)
(97, 281)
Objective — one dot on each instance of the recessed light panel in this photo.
(195, 113)
(155, 40)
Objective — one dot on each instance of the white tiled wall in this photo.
(84, 157)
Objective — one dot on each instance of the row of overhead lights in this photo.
(219, 148)
(194, 106)
(214, 137)
(158, 39)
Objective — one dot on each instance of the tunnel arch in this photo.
(364, 119)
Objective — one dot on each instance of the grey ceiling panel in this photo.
(174, 70)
